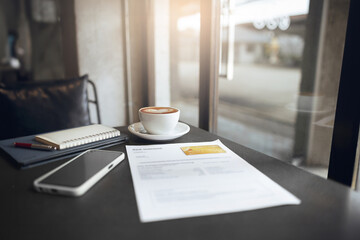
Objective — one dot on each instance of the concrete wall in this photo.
(162, 52)
(100, 53)
(327, 82)
(138, 58)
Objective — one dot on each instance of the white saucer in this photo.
(139, 130)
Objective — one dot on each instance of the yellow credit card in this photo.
(202, 149)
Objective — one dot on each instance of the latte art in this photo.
(159, 110)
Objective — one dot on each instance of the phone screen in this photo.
(81, 169)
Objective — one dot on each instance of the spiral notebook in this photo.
(77, 136)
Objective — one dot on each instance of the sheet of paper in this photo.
(195, 179)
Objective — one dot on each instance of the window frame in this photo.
(347, 116)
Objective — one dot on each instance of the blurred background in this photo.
(275, 75)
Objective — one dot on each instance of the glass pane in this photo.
(283, 62)
(30, 41)
(184, 52)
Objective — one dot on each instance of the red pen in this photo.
(34, 146)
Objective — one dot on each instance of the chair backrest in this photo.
(94, 100)
(37, 107)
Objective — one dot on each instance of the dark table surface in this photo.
(108, 211)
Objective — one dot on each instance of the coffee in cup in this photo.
(159, 120)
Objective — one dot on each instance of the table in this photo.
(108, 211)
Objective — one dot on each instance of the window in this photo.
(279, 65)
(184, 63)
(281, 96)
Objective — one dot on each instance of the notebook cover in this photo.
(25, 157)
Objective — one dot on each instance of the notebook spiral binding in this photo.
(91, 138)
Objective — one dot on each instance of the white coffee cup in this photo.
(159, 120)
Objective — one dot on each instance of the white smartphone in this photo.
(79, 174)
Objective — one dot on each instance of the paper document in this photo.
(194, 179)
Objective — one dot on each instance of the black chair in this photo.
(38, 107)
